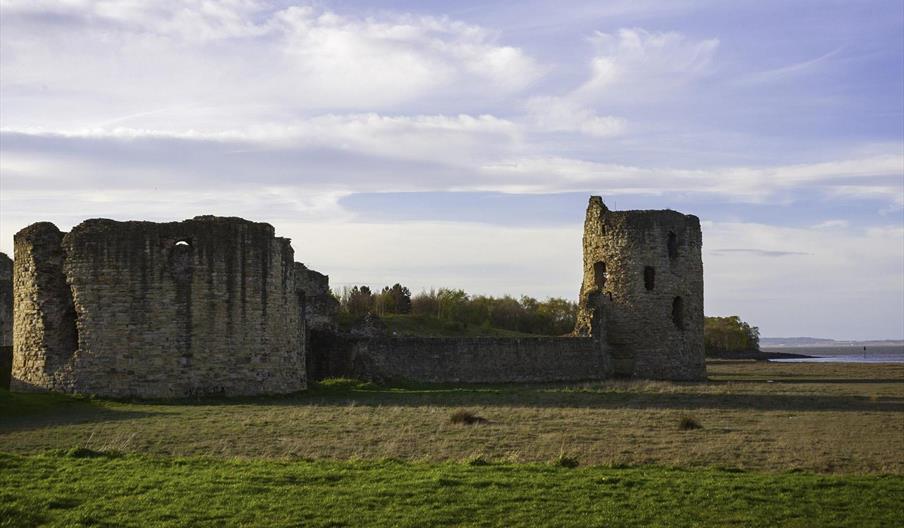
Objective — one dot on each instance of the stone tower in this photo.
(644, 268)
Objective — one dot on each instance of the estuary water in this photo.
(842, 354)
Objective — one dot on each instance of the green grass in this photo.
(419, 325)
(135, 490)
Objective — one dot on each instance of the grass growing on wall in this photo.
(82, 488)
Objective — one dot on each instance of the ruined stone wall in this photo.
(6, 319)
(462, 360)
(44, 328)
(6, 300)
(141, 309)
(320, 307)
(646, 269)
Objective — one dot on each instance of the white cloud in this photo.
(880, 174)
(832, 224)
(631, 66)
(559, 114)
(196, 64)
(639, 64)
(370, 152)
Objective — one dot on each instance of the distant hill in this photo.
(823, 342)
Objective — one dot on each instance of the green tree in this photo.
(729, 335)
(360, 300)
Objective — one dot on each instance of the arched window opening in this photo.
(181, 260)
(678, 313)
(599, 275)
(649, 277)
(673, 245)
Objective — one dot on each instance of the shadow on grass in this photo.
(551, 396)
(24, 411)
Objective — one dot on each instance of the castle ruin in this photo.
(646, 269)
(218, 305)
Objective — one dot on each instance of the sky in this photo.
(455, 144)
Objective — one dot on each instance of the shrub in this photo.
(477, 460)
(84, 452)
(466, 418)
(688, 423)
(565, 461)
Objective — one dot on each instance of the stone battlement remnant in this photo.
(646, 270)
(157, 310)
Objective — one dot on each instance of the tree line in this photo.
(554, 316)
(729, 334)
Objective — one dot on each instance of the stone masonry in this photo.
(645, 269)
(6, 301)
(6, 319)
(157, 310)
(462, 359)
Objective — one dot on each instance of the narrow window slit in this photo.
(649, 278)
(678, 313)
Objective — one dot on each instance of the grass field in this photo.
(155, 491)
(788, 444)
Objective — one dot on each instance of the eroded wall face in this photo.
(6, 319)
(319, 306)
(204, 306)
(44, 326)
(651, 290)
(6, 301)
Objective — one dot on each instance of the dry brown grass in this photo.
(765, 416)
